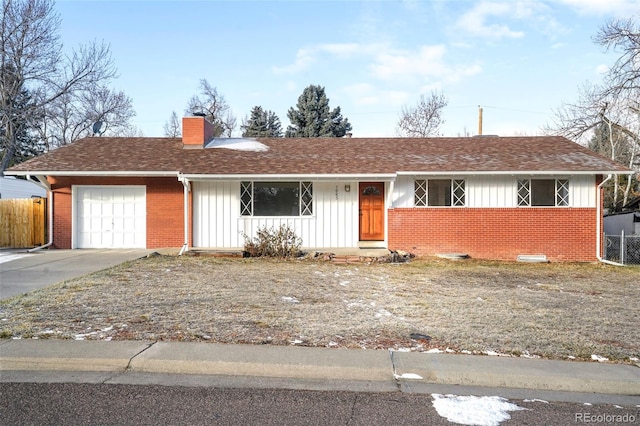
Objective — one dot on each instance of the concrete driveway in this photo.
(22, 272)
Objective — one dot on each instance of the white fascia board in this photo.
(92, 173)
(296, 177)
(515, 173)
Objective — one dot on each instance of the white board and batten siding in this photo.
(109, 217)
(217, 221)
(497, 191)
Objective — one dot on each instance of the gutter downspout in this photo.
(45, 185)
(599, 224)
(185, 184)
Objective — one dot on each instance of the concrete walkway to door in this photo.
(22, 272)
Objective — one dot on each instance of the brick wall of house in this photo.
(165, 202)
(562, 234)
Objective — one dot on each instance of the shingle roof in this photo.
(318, 156)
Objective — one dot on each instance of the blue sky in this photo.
(518, 59)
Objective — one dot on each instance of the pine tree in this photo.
(313, 118)
(262, 124)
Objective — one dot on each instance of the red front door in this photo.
(371, 211)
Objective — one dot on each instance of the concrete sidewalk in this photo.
(22, 272)
(313, 368)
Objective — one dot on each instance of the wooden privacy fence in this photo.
(23, 222)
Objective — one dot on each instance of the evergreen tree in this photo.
(313, 118)
(262, 124)
(23, 124)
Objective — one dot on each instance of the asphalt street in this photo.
(108, 404)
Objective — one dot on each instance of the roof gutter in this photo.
(511, 172)
(599, 224)
(117, 173)
(272, 177)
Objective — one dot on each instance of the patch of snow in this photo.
(238, 144)
(344, 283)
(571, 357)
(466, 352)
(526, 354)
(493, 353)
(401, 350)
(599, 358)
(7, 257)
(383, 313)
(474, 410)
(587, 403)
(296, 342)
(617, 406)
(409, 376)
(631, 358)
(433, 351)
(450, 351)
(332, 343)
(290, 299)
(536, 400)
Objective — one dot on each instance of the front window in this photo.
(439, 192)
(543, 192)
(276, 198)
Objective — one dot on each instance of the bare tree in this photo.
(214, 107)
(622, 35)
(32, 59)
(173, 128)
(75, 114)
(424, 119)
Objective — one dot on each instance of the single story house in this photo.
(489, 197)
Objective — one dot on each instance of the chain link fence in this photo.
(622, 249)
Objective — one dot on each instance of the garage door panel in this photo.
(111, 217)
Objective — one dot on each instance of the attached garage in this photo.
(110, 216)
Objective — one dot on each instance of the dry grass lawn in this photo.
(548, 310)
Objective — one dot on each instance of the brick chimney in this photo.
(196, 132)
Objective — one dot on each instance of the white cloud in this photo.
(426, 61)
(604, 7)
(475, 20)
(304, 58)
(602, 69)
(386, 63)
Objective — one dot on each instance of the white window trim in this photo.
(524, 200)
(456, 183)
(304, 187)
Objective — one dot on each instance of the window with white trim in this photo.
(543, 192)
(439, 192)
(276, 198)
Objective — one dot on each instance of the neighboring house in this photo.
(10, 187)
(489, 197)
(627, 222)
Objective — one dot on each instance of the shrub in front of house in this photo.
(270, 242)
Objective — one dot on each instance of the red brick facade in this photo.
(562, 234)
(165, 203)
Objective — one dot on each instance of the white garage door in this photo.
(111, 217)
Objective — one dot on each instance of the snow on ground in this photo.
(6, 256)
(599, 358)
(474, 410)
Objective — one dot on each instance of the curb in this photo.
(390, 370)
